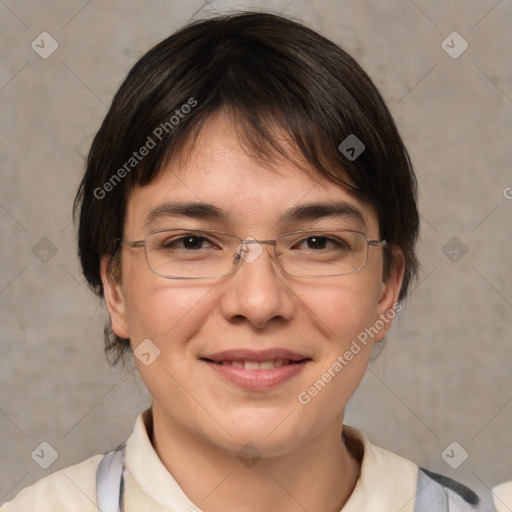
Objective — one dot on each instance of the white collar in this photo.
(387, 481)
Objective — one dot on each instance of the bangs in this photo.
(267, 138)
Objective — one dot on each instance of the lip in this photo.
(256, 379)
(254, 355)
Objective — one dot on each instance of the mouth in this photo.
(256, 370)
(251, 364)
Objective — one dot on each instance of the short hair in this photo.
(273, 74)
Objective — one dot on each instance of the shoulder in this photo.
(389, 479)
(71, 488)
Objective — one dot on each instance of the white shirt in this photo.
(502, 495)
(387, 482)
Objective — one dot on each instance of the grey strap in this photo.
(437, 493)
(431, 496)
(109, 481)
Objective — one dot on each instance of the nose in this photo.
(257, 292)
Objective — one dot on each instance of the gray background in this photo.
(444, 375)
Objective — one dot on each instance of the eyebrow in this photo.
(197, 210)
(314, 211)
(303, 212)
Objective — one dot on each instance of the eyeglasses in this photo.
(207, 254)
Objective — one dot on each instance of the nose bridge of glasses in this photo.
(250, 240)
(250, 249)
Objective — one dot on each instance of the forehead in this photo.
(219, 171)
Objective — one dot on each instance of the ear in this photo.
(388, 304)
(114, 298)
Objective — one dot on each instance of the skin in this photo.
(201, 421)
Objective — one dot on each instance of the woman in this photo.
(248, 213)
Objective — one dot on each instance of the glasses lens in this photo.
(195, 254)
(190, 254)
(322, 253)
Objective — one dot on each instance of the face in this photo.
(211, 333)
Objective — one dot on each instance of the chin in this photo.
(263, 431)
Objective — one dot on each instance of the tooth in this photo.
(237, 364)
(278, 363)
(252, 365)
(267, 365)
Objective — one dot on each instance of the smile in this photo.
(258, 365)
(256, 371)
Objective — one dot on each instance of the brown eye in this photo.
(316, 242)
(322, 242)
(191, 242)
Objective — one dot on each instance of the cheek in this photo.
(343, 307)
(155, 307)
(170, 314)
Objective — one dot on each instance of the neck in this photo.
(320, 475)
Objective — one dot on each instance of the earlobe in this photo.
(388, 304)
(114, 298)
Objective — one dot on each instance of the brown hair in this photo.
(271, 72)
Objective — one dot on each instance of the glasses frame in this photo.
(237, 256)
